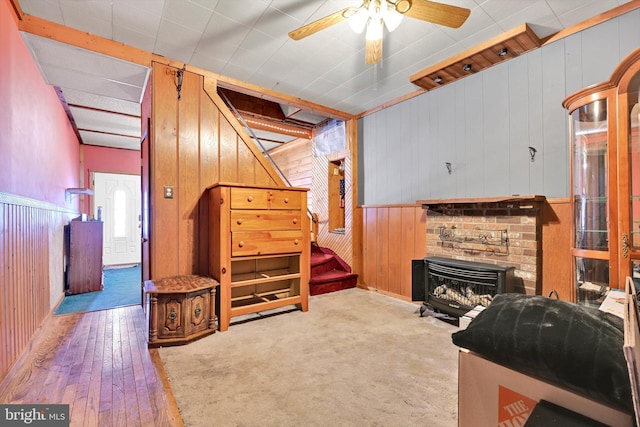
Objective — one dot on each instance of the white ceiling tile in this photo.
(261, 43)
(130, 37)
(176, 35)
(249, 59)
(222, 29)
(298, 10)
(275, 23)
(86, 99)
(586, 11)
(174, 51)
(87, 71)
(208, 62)
(207, 4)
(532, 15)
(47, 9)
(114, 141)
(238, 71)
(139, 16)
(245, 11)
(92, 16)
(102, 121)
(186, 14)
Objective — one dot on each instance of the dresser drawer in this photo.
(266, 242)
(258, 198)
(285, 199)
(248, 220)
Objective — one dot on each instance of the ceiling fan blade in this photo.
(373, 51)
(438, 13)
(322, 23)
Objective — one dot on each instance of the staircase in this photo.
(329, 272)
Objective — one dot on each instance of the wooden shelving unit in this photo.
(260, 248)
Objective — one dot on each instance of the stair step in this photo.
(332, 276)
(320, 258)
(332, 281)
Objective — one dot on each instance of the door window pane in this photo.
(119, 213)
(634, 168)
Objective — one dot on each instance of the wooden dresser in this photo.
(259, 248)
(179, 309)
(84, 257)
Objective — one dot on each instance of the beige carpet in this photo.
(356, 358)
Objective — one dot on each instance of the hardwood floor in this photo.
(99, 364)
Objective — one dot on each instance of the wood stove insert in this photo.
(454, 287)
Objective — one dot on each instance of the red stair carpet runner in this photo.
(329, 272)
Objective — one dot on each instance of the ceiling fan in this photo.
(374, 14)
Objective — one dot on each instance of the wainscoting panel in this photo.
(195, 142)
(392, 237)
(31, 270)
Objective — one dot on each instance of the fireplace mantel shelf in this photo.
(484, 203)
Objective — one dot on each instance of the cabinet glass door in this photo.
(605, 172)
(590, 200)
(631, 243)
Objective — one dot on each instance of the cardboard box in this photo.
(492, 395)
(464, 321)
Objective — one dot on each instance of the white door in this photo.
(118, 197)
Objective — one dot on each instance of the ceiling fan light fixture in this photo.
(374, 30)
(358, 20)
(391, 17)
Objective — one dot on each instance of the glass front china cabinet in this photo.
(605, 177)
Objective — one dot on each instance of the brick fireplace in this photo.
(502, 231)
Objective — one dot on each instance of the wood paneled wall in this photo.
(31, 270)
(195, 143)
(483, 124)
(340, 243)
(294, 160)
(556, 249)
(392, 236)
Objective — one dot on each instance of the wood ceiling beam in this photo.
(275, 127)
(94, 43)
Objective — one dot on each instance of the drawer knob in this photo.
(295, 242)
(224, 270)
(286, 200)
(239, 221)
(240, 244)
(250, 199)
(295, 220)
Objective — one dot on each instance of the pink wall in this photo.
(39, 155)
(110, 160)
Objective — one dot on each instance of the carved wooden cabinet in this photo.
(179, 309)
(84, 257)
(259, 248)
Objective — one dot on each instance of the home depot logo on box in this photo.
(513, 408)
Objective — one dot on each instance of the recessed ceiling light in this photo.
(466, 67)
(437, 79)
(503, 51)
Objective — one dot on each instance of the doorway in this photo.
(117, 203)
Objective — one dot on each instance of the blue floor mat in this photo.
(121, 287)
